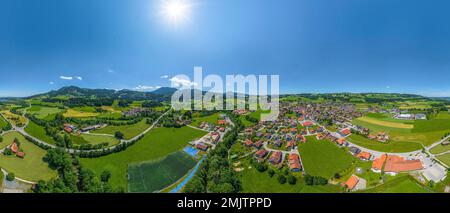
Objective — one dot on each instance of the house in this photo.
(319, 136)
(221, 122)
(294, 162)
(364, 156)
(352, 182)
(261, 154)
(291, 145)
(201, 146)
(14, 147)
(354, 150)
(215, 137)
(378, 163)
(277, 143)
(345, 132)
(248, 142)
(20, 154)
(307, 124)
(341, 141)
(275, 158)
(301, 138)
(372, 137)
(396, 164)
(293, 130)
(258, 144)
(221, 129)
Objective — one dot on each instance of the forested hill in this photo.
(76, 92)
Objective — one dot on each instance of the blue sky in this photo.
(314, 45)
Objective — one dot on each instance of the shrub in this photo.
(271, 172)
(10, 177)
(292, 179)
(282, 179)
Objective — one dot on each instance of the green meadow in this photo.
(156, 144)
(424, 132)
(43, 112)
(323, 158)
(129, 131)
(196, 120)
(31, 167)
(38, 132)
(400, 184)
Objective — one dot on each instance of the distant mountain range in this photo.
(73, 91)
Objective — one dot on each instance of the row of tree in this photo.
(72, 176)
(216, 174)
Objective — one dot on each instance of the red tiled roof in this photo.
(346, 131)
(294, 161)
(352, 181)
(14, 147)
(378, 162)
(399, 164)
(307, 123)
(364, 155)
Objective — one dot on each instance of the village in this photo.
(276, 143)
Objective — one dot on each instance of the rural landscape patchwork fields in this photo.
(67, 141)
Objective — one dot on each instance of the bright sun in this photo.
(176, 11)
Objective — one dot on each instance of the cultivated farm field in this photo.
(158, 174)
(156, 144)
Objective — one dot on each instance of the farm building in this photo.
(396, 164)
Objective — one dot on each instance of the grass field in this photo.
(31, 167)
(209, 119)
(401, 184)
(156, 144)
(424, 132)
(323, 158)
(72, 113)
(98, 139)
(445, 158)
(42, 112)
(386, 123)
(440, 149)
(129, 131)
(156, 175)
(39, 132)
(3, 122)
(392, 146)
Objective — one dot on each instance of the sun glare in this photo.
(176, 11)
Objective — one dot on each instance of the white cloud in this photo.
(69, 78)
(164, 76)
(146, 88)
(51, 82)
(178, 82)
(111, 71)
(66, 77)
